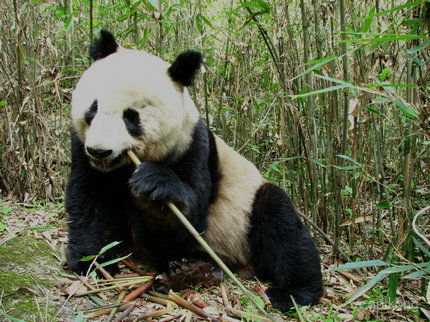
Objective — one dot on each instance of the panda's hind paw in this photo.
(183, 274)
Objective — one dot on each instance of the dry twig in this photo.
(143, 288)
(190, 306)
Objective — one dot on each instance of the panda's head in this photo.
(131, 100)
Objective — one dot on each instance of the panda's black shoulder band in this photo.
(185, 67)
(103, 46)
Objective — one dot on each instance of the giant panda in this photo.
(131, 100)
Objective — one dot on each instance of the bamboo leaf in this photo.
(258, 4)
(266, 81)
(198, 23)
(154, 3)
(264, 4)
(406, 5)
(107, 247)
(421, 247)
(7, 316)
(41, 228)
(334, 80)
(68, 22)
(206, 20)
(318, 163)
(324, 90)
(419, 47)
(381, 38)
(323, 62)
(291, 158)
(349, 159)
(79, 317)
(87, 258)
(356, 265)
(417, 274)
(383, 205)
(368, 22)
(366, 287)
(393, 283)
(113, 261)
(384, 74)
(406, 109)
(380, 100)
(373, 110)
(404, 268)
(346, 168)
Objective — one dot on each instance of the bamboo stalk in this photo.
(155, 313)
(133, 267)
(205, 245)
(115, 309)
(159, 300)
(99, 313)
(143, 288)
(190, 306)
(108, 288)
(126, 312)
(98, 293)
(245, 314)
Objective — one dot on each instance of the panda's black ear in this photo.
(185, 67)
(103, 46)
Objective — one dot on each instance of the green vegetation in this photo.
(26, 265)
(329, 99)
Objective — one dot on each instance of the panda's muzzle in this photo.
(103, 159)
(99, 154)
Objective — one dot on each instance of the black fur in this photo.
(95, 203)
(185, 67)
(91, 113)
(132, 122)
(282, 250)
(102, 208)
(103, 46)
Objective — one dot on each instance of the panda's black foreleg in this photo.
(88, 241)
(92, 225)
(94, 204)
(153, 184)
(94, 221)
(283, 251)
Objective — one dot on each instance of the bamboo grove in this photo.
(329, 98)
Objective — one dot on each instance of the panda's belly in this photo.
(229, 214)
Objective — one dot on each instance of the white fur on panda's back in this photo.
(227, 225)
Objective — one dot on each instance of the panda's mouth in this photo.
(108, 164)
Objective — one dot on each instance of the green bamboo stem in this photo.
(206, 246)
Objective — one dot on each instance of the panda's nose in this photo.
(99, 153)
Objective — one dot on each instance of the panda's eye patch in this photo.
(91, 113)
(132, 122)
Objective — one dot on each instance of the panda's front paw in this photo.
(156, 182)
